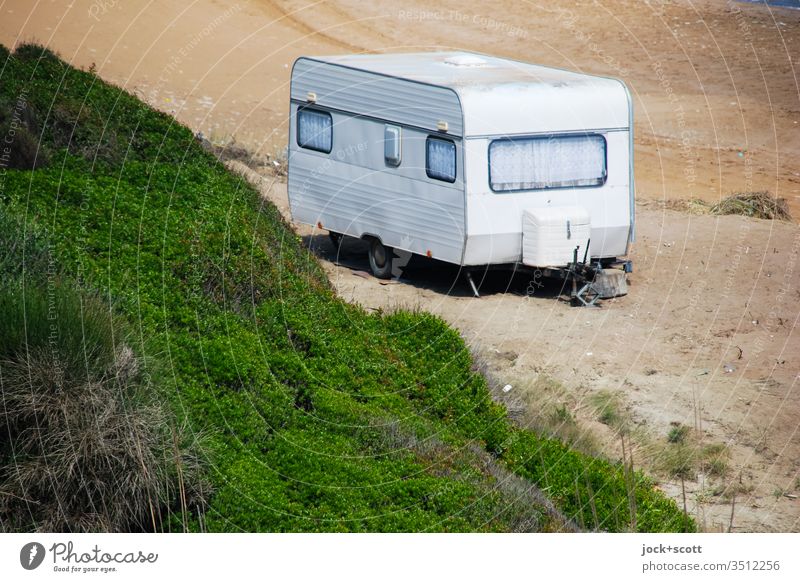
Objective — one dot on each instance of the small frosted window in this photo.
(565, 161)
(440, 159)
(314, 130)
(391, 145)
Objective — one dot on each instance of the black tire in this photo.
(336, 239)
(380, 259)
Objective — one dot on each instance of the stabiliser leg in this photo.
(472, 284)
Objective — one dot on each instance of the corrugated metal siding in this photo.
(351, 190)
(412, 215)
(398, 100)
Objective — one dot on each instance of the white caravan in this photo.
(470, 159)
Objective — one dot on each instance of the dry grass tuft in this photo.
(754, 204)
(86, 446)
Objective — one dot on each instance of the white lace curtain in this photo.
(547, 162)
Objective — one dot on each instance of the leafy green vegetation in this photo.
(317, 416)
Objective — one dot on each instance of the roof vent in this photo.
(465, 61)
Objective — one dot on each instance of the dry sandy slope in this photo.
(717, 110)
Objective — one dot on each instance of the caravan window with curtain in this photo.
(440, 159)
(556, 161)
(315, 130)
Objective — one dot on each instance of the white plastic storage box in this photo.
(551, 235)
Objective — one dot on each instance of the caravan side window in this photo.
(314, 130)
(392, 149)
(554, 161)
(440, 159)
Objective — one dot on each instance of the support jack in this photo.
(587, 296)
(472, 284)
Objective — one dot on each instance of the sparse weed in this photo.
(678, 460)
(732, 489)
(610, 411)
(714, 459)
(678, 434)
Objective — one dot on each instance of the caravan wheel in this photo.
(380, 259)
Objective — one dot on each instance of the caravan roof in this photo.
(502, 96)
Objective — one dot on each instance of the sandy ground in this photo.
(717, 110)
